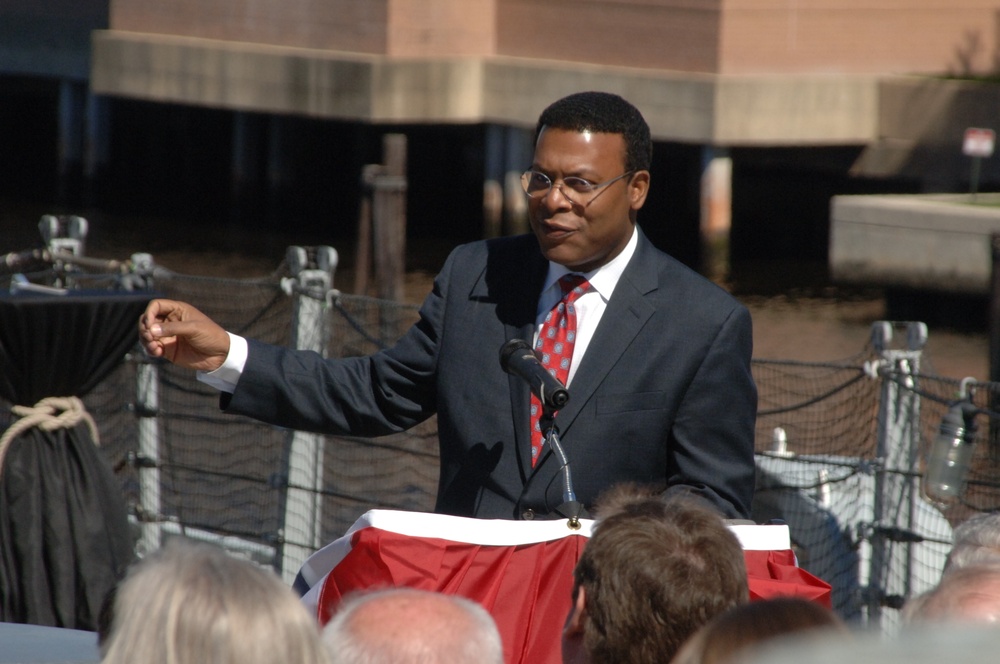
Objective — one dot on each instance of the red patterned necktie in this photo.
(555, 345)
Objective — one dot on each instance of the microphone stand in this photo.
(571, 507)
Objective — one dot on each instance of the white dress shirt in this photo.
(591, 305)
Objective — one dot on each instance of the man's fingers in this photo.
(163, 310)
(153, 349)
(175, 328)
(155, 309)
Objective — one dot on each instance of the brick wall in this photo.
(441, 28)
(339, 25)
(653, 34)
(402, 28)
(859, 36)
(706, 36)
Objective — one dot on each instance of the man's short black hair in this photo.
(605, 113)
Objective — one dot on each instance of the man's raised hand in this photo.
(183, 335)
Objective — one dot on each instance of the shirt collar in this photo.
(603, 279)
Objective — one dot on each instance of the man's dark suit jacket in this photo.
(664, 394)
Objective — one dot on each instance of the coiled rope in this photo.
(49, 414)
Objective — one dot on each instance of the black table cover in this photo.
(64, 534)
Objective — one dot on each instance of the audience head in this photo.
(105, 617)
(408, 625)
(737, 630)
(653, 572)
(964, 594)
(976, 540)
(931, 644)
(190, 603)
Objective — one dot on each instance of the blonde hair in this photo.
(191, 603)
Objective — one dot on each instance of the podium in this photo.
(520, 571)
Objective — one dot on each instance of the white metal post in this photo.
(893, 531)
(147, 408)
(303, 512)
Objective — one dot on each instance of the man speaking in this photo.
(656, 358)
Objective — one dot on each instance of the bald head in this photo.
(966, 594)
(403, 624)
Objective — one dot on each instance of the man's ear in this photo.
(577, 615)
(638, 188)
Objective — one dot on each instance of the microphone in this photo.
(518, 358)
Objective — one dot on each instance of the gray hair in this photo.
(976, 540)
(190, 603)
(409, 625)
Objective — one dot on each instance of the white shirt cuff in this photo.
(225, 377)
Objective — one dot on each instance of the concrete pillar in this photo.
(96, 145)
(493, 170)
(278, 135)
(71, 122)
(509, 152)
(247, 155)
(716, 212)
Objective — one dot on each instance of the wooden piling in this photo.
(382, 223)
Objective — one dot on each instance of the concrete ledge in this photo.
(696, 108)
(936, 242)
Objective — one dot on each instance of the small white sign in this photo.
(978, 142)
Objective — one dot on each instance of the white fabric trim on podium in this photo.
(485, 532)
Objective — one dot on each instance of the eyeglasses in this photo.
(574, 189)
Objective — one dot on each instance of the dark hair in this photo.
(606, 113)
(743, 627)
(655, 571)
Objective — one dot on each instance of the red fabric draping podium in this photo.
(520, 571)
